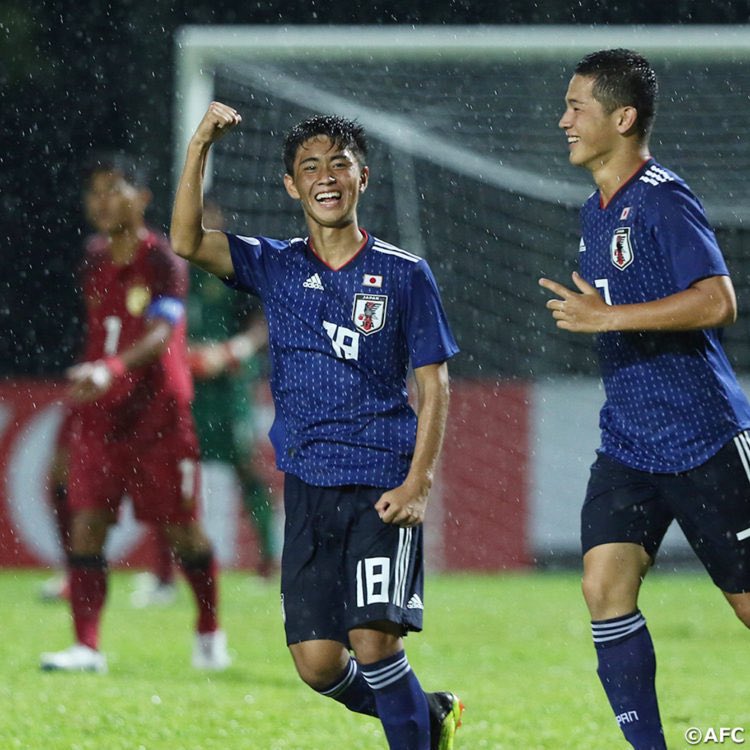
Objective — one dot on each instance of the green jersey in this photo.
(223, 405)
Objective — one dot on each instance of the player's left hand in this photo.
(402, 506)
(582, 311)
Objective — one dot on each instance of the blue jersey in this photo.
(672, 399)
(341, 342)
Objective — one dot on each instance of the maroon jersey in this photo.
(141, 403)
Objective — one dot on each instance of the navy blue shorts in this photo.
(711, 503)
(342, 567)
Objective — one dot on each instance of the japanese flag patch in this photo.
(372, 279)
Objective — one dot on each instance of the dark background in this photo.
(89, 75)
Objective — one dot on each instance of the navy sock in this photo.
(352, 690)
(627, 670)
(401, 703)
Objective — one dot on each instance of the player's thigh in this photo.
(313, 596)
(383, 570)
(623, 506)
(342, 567)
(166, 487)
(96, 475)
(612, 576)
(319, 662)
(89, 528)
(712, 505)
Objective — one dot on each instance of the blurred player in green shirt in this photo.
(226, 331)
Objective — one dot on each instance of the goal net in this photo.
(468, 166)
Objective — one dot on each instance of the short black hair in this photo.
(127, 165)
(623, 78)
(343, 134)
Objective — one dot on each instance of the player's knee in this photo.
(595, 592)
(318, 667)
(187, 540)
(606, 599)
(315, 674)
(89, 533)
(313, 678)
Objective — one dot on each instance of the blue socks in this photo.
(627, 670)
(401, 703)
(352, 690)
(387, 689)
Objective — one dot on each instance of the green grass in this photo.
(516, 648)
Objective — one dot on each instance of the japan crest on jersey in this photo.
(621, 251)
(369, 312)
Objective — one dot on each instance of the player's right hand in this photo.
(403, 506)
(208, 361)
(582, 310)
(89, 380)
(216, 123)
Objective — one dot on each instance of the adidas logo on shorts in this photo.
(415, 602)
(313, 282)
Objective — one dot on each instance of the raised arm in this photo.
(206, 248)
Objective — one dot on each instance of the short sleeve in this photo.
(428, 334)
(680, 227)
(250, 273)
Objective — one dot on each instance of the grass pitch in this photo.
(515, 647)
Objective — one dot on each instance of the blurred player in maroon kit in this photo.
(133, 428)
(57, 588)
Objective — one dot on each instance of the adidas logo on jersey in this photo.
(313, 282)
(415, 602)
(654, 175)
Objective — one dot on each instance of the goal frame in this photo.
(201, 49)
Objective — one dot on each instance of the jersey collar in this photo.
(641, 168)
(354, 261)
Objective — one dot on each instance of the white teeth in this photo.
(326, 196)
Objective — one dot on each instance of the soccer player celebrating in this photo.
(133, 428)
(347, 314)
(654, 287)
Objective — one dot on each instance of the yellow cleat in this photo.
(445, 719)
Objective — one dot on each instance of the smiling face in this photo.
(327, 180)
(593, 134)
